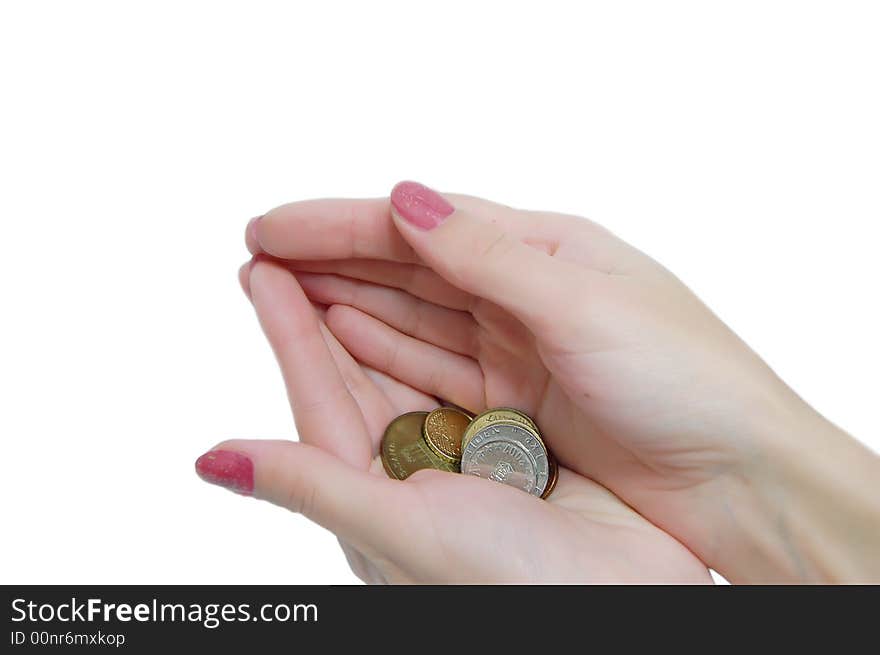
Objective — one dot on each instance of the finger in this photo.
(415, 279)
(508, 333)
(250, 236)
(475, 252)
(326, 414)
(379, 396)
(347, 228)
(332, 229)
(447, 328)
(360, 508)
(427, 368)
(363, 228)
(403, 398)
(244, 278)
(376, 407)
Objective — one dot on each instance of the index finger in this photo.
(333, 228)
(343, 228)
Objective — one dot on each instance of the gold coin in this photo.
(467, 412)
(443, 430)
(500, 415)
(404, 451)
(553, 476)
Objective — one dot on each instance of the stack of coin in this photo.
(501, 444)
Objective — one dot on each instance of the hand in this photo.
(435, 526)
(634, 382)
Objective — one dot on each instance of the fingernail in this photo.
(253, 243)
(227, 469)
(419, 205)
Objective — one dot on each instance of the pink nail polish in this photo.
(227, 469)
(419, 205)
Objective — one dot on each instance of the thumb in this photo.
(472, 249)
(360, 508)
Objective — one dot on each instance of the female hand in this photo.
(635, 383)
(435, 526)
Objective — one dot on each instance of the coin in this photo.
(502, 461)
(443, 429)
(498, 415)
(404, 451)
(554, 476)
(525, 439)
(446, 403)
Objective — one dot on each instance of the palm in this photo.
(466, 529)
(454, 523)
(444, 343)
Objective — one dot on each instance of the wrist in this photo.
(799, 507)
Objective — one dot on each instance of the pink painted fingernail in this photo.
(227, 469)
(419, 205)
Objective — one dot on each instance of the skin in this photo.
(434, 526)
(680, 448)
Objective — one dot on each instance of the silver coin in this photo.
(502, 461)
(486, 457)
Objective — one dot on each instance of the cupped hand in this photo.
(634, 382)
(434, 526)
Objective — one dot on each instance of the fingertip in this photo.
(251, 235)
(261, 258)
(265, 271)
(244, 277)
(339, 316)
(226, 468)
(419, 205)
(402, 190)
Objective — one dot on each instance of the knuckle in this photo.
(301, 496)
(497, 246)
(416, 317)
(484, 252)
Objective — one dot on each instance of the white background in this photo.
(738, 143)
